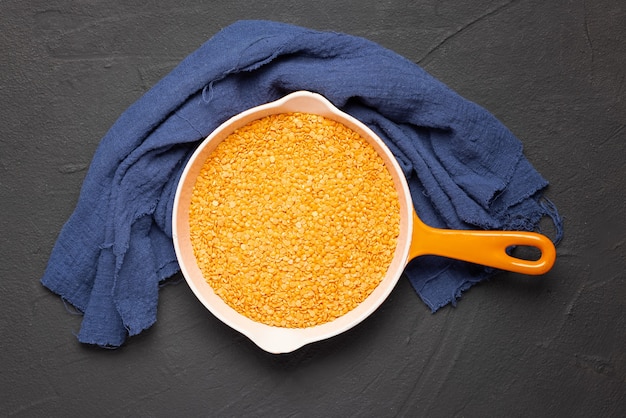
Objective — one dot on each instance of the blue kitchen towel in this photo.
(465, 169)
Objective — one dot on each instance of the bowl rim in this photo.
(274, 339)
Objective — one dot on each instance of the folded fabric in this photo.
(464, 168)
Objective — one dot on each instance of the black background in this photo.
(554, 72)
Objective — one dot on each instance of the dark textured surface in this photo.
(553, 72)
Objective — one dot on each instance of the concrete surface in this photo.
(553, 71)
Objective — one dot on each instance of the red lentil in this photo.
(294, 220)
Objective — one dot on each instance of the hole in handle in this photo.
(524, 252)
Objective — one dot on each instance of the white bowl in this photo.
(271, 338)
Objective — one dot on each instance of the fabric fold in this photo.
(464, 168)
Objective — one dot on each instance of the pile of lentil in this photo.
(294, 220)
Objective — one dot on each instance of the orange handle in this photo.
(482, 247)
